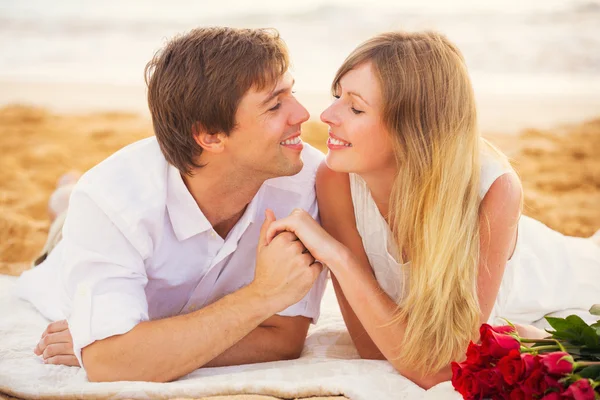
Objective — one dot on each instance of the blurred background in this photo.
(533, 62)
(72, 91)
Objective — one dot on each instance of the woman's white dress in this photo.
(548, 271)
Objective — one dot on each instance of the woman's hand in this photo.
(530, 332)
(322, 245)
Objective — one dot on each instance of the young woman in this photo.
(422, 221)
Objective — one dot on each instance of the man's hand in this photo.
(56, 345)
(285, 270)
(316, 239)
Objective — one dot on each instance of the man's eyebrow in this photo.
(276, 93)
(359, 96)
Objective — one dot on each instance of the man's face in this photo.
(266, 140)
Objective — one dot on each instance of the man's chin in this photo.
(295, 168)
(292, 168)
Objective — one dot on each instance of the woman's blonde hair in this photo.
(429, 109)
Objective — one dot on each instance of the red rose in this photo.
(472, 388)
(534, 384)
(456, 374)
(465, 381)
(490, 382)
(473, 354)
(551, 383)
(511, 367)
(552, 396)
(530, 364)
(475, 357)
(580, 390)
(505, 329)
(557, 363)
(517, 394)
(496, 344)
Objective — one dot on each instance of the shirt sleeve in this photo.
(310, 305)
(102, 273)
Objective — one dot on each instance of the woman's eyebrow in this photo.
(359, 96)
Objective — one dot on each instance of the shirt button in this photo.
(213, 234)
(82, 290)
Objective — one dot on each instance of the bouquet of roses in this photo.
(566, 365)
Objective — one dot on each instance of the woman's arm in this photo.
(499, 215)
(336, 212)
(374, 309)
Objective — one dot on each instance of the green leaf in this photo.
(587, 334)
(591, 372)
(584, 354)
(559, 324)
(574, 330)
(595, 310)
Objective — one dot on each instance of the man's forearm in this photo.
(263, 344)
(164, 350)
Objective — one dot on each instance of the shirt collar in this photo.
(251, 214)
(186, 217)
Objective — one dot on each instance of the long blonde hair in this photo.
(429, 109)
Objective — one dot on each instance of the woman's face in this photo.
(358, 140)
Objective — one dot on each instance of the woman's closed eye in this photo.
(354, 110)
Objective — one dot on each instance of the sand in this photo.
(499, 111)
(560, 169)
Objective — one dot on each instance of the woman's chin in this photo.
(339, 164)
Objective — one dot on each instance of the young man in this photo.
(163, 267)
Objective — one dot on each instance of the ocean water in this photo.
(545, 46)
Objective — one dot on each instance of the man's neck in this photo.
(222, 195)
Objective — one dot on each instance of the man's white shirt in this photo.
(137, 247)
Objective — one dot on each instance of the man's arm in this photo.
(164, 350)
(105, 278)
(167, 349)
(277, 338)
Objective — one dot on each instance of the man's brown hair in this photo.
(198, 79)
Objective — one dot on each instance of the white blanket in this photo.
(329, 366)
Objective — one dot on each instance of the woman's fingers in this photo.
(279, 226)
(297, 222)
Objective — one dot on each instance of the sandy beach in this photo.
(560, 169)
(72, 92)
(499, 112)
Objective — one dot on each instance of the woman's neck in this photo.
(380, 183)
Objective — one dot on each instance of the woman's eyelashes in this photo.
(354, 110)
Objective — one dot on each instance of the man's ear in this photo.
(214, 143)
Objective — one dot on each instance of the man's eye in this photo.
(276, 107)
(355, 111)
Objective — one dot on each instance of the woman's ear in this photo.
(210, 142)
